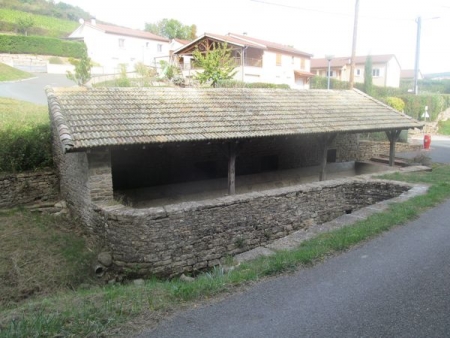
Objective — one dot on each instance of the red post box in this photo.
(426, 141)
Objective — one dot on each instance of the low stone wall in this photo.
(369, 149)
(30, 187)
(191, 236)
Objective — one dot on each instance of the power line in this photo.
(327, 12)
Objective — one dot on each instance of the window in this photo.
(302, 63)
(278, 60)
(375, 72)
(121, 43)
(358, 72)
(331, 73)
(147, 44)
(159, 48)
(293, 60)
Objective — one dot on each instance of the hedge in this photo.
(240, 84)
(40, 45)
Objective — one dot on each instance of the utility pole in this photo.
(355, 31)
(416, 64)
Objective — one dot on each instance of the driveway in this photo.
(32, 90)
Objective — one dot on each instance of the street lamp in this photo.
(329, 58)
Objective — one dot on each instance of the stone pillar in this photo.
(100, 176)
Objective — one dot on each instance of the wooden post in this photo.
(393, 137)
(231, 168)
(325, 142)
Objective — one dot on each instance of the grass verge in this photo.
(8, 73)
(115, 309)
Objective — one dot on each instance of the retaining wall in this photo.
(29, 187)
(190, 236)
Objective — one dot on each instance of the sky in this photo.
(318, 27)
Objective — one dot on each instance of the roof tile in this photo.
(96, 117)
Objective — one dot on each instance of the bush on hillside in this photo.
(415, 104)
(40, 45)
(25, 148)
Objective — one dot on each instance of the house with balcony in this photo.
(256, 60)
(385, 69)
(110, 46)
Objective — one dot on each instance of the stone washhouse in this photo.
(126, 155)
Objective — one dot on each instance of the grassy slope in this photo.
(39, 256)
(116, 309)
(25, 142)
(14, 113)
(8, 73)
(54, 26)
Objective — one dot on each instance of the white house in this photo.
(385, 69)
(256, 60)
(111, 46)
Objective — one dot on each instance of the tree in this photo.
(24, 24)
(368, 83)
(82, 70)
(217, 64)
(172, 28)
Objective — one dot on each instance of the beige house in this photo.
(111, 46)
(385, 69)
(256, 60)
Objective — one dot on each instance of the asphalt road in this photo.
(397, 285)
(32, 90)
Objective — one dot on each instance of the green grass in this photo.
(8, 73)
(52, 26)
(444, 127)
(25, 141)
(115, 309)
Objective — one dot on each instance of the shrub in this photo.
(396, 103)
(40, 45)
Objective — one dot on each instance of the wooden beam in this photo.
(231, 168)
(393, 136)
(325, 141)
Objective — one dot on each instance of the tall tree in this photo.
(368, 83)
(172, 28)
(217, 64)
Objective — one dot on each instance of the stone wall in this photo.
(191, 236)
(29, 187)
(85, 178)
(369, 149)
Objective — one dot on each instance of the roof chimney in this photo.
(93, 22)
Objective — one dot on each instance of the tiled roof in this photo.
(244, 40)
(98, 117)
(127, 32)
(269, 44)
(346, 60)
